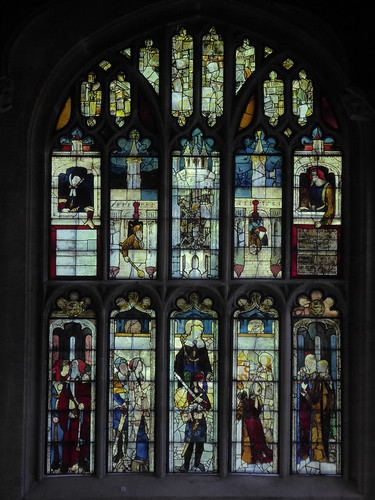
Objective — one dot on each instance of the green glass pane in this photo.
(119, 99)
(245, 63)
(303, 98)
(149, 64)
(273, 95)
(212, 76)
(91, 99)
(182, 77)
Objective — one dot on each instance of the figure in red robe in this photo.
(254, 445)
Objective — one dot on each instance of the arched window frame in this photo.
(54, 286)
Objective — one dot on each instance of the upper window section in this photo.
(236, 137)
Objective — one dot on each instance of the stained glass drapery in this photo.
(132, 385)
(75, 206)
(257, 209)
(193, 373)
(255, 395)
(316, 418)
(71, 387)
(195, 209)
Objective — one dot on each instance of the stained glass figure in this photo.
(75, 206)
(257, 209)
(71, 387)
(119, 99)
(245, 63)
(273, 90)
(193, 386)
(195, 208)
(149, 64)
(255, 386)
(182, 76)
(303, 98)
(317, 208)
(132, 385)
(134, 208)
(212, 76)
(316, 410)
(91, 99)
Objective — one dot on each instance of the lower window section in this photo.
(316, 386)
(255, 386)
(132, 386)
(193, 387)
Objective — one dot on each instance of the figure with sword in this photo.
(196, 426)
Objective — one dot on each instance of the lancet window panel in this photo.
(316, 400)
(131, 419)
(193, 381)
(71, 387)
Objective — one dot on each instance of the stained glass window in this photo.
(132, 385)
(258, 201)
(75, 206)
(316, 385)
(149, 64)
(193, 386)
(134, 208)
(181, 173)
(71, 386)
(255, 396)
(182, 76)
(195, 208)
(317, 207)
(212, 76)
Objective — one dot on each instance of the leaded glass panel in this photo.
(71, 387)
(195, 208)
(316, 407)
(255, 395)
(317, 208)
(75, 207)
(257, 208)
(132, 385)
(193, 386)
(134, 208)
